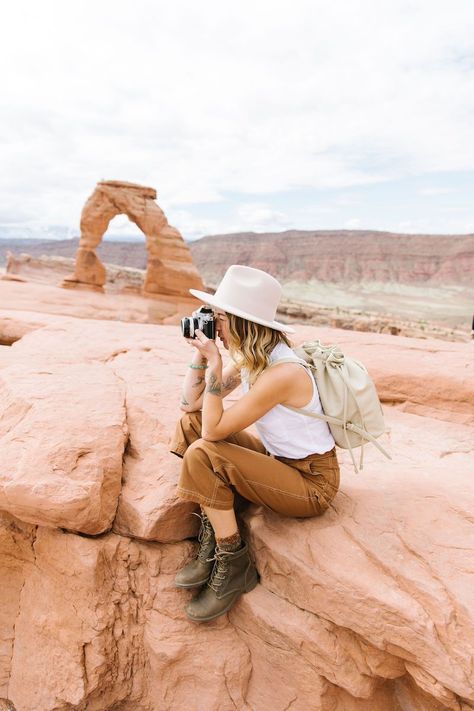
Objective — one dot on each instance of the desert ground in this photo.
(450, 305)
(366, 608)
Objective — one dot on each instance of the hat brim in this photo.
(210, 299)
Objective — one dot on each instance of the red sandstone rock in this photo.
(147, 507)
(62, 435)
(16, 560)
(392, 554)
(367, 608)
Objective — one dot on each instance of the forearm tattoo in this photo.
(184, 401)
(229, 384)
(214, 386)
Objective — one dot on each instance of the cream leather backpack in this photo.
(348, 396)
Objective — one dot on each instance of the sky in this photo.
(249, 116)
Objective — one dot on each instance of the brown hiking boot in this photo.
(197, 571)
(233, 574)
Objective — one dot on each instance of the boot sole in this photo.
(192, 585)
(250, 586)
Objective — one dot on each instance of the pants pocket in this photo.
(327, 480)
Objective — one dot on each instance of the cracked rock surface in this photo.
(367, 608)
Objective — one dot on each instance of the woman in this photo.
(291, 468)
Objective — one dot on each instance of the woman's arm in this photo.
(271, 388)
(276, 385)
(194, 383)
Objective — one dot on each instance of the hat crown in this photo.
(250, 290)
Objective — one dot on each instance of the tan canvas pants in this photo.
(212, 471)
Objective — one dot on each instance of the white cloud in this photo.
(436, 191)
(260, 217)
(202, 100)
(455, 226)
(353, 224)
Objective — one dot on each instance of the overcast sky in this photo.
(252, 115)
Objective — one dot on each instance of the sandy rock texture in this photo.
(62, 447)
(368, 608)
(170, 268)
(45, 299)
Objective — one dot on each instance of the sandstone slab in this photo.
(76, 608)
(426, 377)
(394, 556)
(310, 656)
(112, 632)
(62, 436)
(368, 608)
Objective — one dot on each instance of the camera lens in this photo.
(189, 326)
(185, 327)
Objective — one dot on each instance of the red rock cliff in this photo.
(341, 256)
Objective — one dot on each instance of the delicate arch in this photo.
(170, 268)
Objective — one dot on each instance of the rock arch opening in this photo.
(123, 245)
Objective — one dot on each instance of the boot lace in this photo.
(205, 535)
(220, 569)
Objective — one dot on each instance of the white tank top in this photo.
(286, 433)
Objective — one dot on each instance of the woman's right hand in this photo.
(207, 348)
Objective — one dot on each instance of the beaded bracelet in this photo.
(198, 367)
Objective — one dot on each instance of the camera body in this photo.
(203, 319)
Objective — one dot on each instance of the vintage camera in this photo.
(203, 319)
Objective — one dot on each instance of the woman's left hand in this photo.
(206, 346)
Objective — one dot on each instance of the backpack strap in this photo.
(289, 359)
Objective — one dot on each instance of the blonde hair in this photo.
(250, 344)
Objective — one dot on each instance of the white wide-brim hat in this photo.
(249, 293)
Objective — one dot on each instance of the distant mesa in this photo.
(170, 268)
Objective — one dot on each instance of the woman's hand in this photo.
(206, 346)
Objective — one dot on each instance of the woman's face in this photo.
(222, 327)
